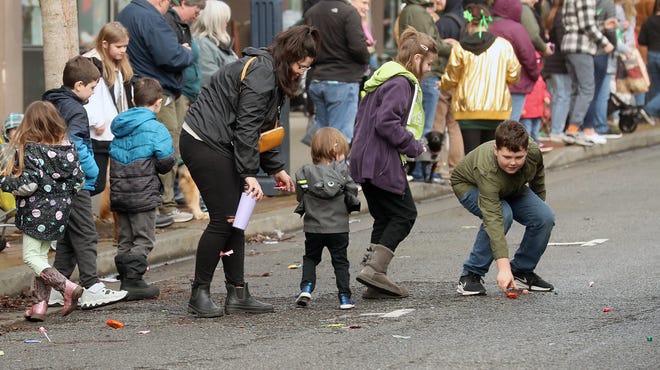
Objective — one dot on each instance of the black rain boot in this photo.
(239, 300)
(135, 266)
(201, 304)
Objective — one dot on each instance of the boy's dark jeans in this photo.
(337, 246)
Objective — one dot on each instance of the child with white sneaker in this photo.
(41, 168)
(326, 194)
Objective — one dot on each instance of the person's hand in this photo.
(450, 41)
(611, 23)
(284, 177)
(186, 45)
(504, 276)
(253, 187)
(609, 48)
(100, 129)
(549, 50)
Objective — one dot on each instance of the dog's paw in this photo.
(201, 215)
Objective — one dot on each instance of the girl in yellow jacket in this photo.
(480, 69)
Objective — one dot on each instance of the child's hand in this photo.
(100, 129)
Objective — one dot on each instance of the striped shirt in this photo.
(582, 34)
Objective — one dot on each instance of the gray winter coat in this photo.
(324, 192)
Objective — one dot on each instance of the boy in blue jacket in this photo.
(79, 244)
(141, 149)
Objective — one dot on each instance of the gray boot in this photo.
(373, 293)
(239, 300)
(374, 273)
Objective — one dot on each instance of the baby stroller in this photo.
(629, 115)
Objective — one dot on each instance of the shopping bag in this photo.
(632, 76)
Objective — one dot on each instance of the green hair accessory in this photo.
(483, 23)
(468, 16)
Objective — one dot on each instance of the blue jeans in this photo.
(430, 96)
(653, 67)
(336, 105)
(530, 211)
(597, 113)
(532, 125)
(517, 104)
(559, 86)
(581, 69)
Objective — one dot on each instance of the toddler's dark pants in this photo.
(337, 245)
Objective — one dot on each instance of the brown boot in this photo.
(374, 273)
(41, 292)
(69, 290)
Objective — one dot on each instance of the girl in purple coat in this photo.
(389, 124)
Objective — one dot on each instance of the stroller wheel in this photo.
(628, 121)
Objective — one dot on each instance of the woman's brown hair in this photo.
(291, 46)
(41, 124)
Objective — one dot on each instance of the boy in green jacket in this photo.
(500, 181)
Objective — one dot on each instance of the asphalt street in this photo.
(612, 198)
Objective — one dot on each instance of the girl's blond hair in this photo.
(327, 144)
(112, 33)
(41, 124)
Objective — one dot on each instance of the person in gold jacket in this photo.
(480, 68)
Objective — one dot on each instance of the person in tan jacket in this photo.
(480, 68)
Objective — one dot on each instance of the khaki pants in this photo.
(171, 115)
(444, 118)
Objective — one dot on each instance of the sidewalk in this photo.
(276, 213)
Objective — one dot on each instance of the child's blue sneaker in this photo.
(345, 302)
(305, 295)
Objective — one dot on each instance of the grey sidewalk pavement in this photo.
(277, 214)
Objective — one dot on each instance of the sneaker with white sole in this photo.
(345, 302)
(595, 138)
(98, 295)
(532, 281)
(611, 134)
(305, 295)
(471, 284)
(646, 116)
(56, 299)
(179, 216)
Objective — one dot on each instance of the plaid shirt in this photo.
(582, 34)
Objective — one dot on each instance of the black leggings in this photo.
(394, 215)
(472, 138)
(220, 186)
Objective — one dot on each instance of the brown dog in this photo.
(186, 185)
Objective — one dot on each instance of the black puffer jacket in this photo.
(230, 114)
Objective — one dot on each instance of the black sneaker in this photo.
(471, 284)
(532, 281)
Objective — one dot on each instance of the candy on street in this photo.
(606, 309)
(42, 330)
(114, 324)
(511, 295)
(294, 266)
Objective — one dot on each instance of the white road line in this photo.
(398, 313)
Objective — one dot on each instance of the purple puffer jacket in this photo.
(507, 25)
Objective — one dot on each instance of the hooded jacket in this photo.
(381, 135)
(51, 178)
(322, 190)
(154, 49)
(142, 148)
(481, 69)
(71, 108)
(451, 20)
(507, 15)
(343, 55)
(416, 15)
(213, 57)
(230, 114)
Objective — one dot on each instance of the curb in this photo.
(182, 242)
